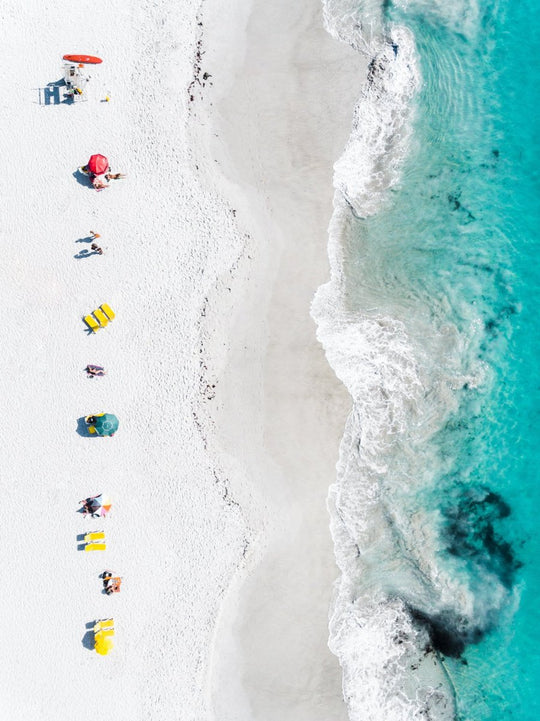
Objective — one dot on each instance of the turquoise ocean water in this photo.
(471, 198)
(452, 253)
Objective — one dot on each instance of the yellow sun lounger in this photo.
(110, 313)
(101, 317)
(95, 547)
(104, 632)
(106, 623)
(95, 536)
(91, 322)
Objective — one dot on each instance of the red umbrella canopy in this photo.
(98, 164)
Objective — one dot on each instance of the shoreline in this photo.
(276, 392)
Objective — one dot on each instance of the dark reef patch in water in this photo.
(455, 204)
(492, 325)
(444, 635)
(470, 533)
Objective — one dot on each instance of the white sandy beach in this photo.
(229, 416)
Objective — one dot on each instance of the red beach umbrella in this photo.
(98, 164)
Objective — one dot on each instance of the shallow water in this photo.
(430, 320)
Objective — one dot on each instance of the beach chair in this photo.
(95, 547)
(95, 536)
(91, 322)
(101, 317)
(104, 632)
(110, 313)
(107, 623)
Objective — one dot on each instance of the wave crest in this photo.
(382, 126)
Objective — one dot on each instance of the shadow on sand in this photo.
(87, 329)
(81, 543)
(85, 253)
(88, 638)
(82, 429)
(83, 178)
(55, 93)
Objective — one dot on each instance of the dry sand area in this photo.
(230, 418)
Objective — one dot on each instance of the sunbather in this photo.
(100, 181)
(93, 370)
(114, 585)
(111, 583)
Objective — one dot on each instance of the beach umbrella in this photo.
(98, 164)
(106, 504)
(99, 505)
(93, 504)
(105, 424)
(103, 644)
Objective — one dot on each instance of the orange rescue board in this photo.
(85, 59)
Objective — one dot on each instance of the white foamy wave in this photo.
(359, 23)
(372, 160)
(388, 675)
(384, 385)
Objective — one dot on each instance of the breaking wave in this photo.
(420, 524)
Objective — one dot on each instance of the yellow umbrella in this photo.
(103, 644)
